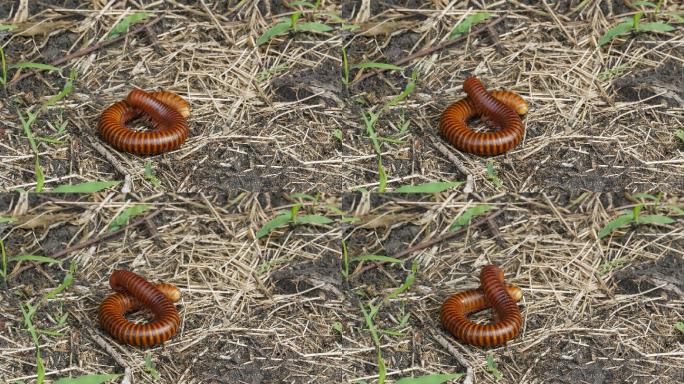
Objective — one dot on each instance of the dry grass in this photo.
(264, 311)
(264, 117)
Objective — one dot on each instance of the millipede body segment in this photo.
(134, 292)
(167, 111)
(501, 107)
(492, 293)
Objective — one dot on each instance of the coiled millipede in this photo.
(492, 293)
(134, 292)
(501, 107)
(167, 111)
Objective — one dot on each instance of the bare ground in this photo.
(278, 309)
(266, 118)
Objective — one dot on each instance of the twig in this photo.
(469, 187)
(90, 49)
(105, 236)
(127, 379)
(429, 243)
(430, 50)
(470, 376)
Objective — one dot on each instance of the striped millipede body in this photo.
(166, 110)
(134, 292)
(501, 107)
(492, 293)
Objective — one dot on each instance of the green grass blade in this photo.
(655, 219)
(40, 177)
(492, 368)
(379, 258)
(88, 379)
(275, 30)
(656, 27)
(313, 219)
(87, 187)
(126, 214)
(277, 222)
(382, 176)
(468, 22)
(620, 29)
(680, 326)
(391, 67)
(36, 258)
(469, 213)
(619, 222)
(431, 379)
(410, 86)
(680, 134)
(3, 67)
(127, 21)
(68, 87)
(491, 175)
(435, 187)
(7, 219)
(312, 27)
(46, 67)
(645, 196)
(7, 27)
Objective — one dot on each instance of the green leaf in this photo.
(278, 221)
(7, 27)
(149, 367)
(313, 27)
(620, 29)
(3, 67)
(149, 175)
(428, 187)
(469, 213)
(391, 67)
(680, 134)
(26, 124)
(620, 222)
(382, 176)
(40, 367)
(407, 91)
(656, 27)
(301, 4)
(87, 379)
(302, 196)
(655, 219)
(680, 326)
(68, 87)
(676, 209)
(675, 16)
(127, 21)
(39, 259)
(126, 214)
(337, 326)
(87, 187)
(491, 175)
(313, 219)
(645, 196)
(275, 30)
(380, 258)
(644, 4)
(338, 134)
(430, 379)
(491, 367)
(35, 66)
(40, 177)
(7, 219)
(468, 22)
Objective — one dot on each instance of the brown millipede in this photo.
(492, 293)
(501, 107)
(167, 111)
(134, 292)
